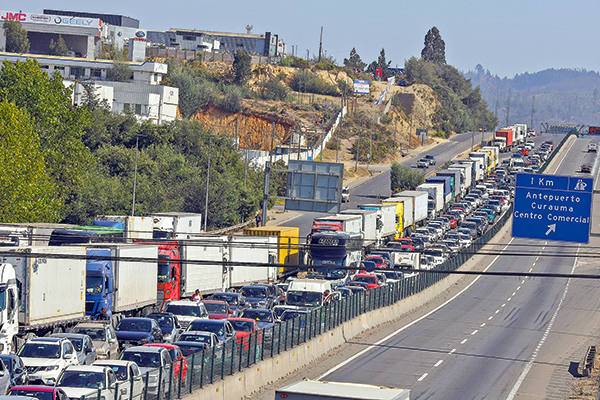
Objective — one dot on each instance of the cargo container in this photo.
(484, 157)
(340, 223)
(419, 205)
(251, 249)
(455, 182)
(520, 133)
(435, 194)
(508, 135)
(465, 176)
(28, 234)
(494, 153)
(133, 227)
(448, 189)
(287, 241)
(386, 221)
(407, 212)
(399, 216)
(369, 225)
(174, 225)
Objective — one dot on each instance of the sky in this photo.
(507, 37)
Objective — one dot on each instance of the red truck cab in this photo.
(169, 273)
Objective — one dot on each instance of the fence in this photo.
(213, 364)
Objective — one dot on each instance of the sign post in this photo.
(551, 207)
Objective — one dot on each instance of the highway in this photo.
(501, 337)
(379, 186)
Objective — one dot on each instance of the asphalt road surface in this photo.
(504, 336)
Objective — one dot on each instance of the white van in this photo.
(307, 292)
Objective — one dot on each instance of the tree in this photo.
(354, 62)
(120, 72)
(403, 178)
(435, 48)
(27, 193)
(242, 67)
(16, 37)
(58, 48)
(382, 63)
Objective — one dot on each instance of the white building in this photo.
(142, 95)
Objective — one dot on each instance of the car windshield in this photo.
(365, 278)
(93, 284)
(261, 316)
(77, 343)
(232, 300)
(7, 360)
(93, 380)
(164, 270)
(186, 350)
(94, 333)
(216, 308)
(40, 350)
(189, 337)
(390, 274)
(206, 326)
(180, 309)
(254, 292)
(291, 315)
(134, 325)
(142, 359)
(242, 326)
(38, 394)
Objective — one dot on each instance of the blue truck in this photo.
(448, 183)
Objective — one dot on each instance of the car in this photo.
(345, 194)
(222, 328)
(190, 348)
(430, 158)
(39, 392)
(217, 309)
(387, 257)
(357, 289)
(104, 338)
(128, 376)
(18, 370)
(168, 323)
(447, 225)
(150, 360)
(45, 358)
(370, 279)
(586, 168)
(244, 328)
(392, 276)
(86, 352)
(237, 302)
(453, 220)
(418, 243)
(406, 244)
(134, 331)
(345, 292)
(258, 296)
(5, 378)
(367, 265)
(187, 311)
(378, 260)
(89, 381)
(264, 317)
(207, 339)
(471, 233)
(475, 228)
(453, 245)
(292, 314)
(277, 293)
(423, 163)
(354, 284)
(278, 310)
(180, 364)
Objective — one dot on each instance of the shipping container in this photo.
(287, 241)
(369, 225)
(435, 192)
(251, 249)
(419, 202)
(386, 221)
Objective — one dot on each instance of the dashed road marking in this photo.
(463, 341)
(437, 364)
(482, 325)
(491, 316)
(423, 376)
(474, 332)
(452, 351)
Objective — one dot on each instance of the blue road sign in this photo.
(553, 207)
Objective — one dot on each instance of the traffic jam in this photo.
(152, 351)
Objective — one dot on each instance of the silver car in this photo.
(86, 352)
(104, 338)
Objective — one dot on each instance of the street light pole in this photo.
(207, 180)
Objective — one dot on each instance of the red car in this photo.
(525, 152)
(406, 243)
(369, 279)
(38, 391)
(497, 197)
(550, 142)
(244, 327)
(177, 357)
(217, 309)
(379, 261)
(453, 220)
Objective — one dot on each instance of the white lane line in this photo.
(463, 341)
(523, 281)
(537, 259)
(533, 265)
(514, 293)
(474, 332)
(490, 317)
(518, 287)
(497, 311)
(528, 366)
(437, 364)
(530, 269)
(423, 376)
(391, 335)
(482, 325)
(503, 305)
(452, 351)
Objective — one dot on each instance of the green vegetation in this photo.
(16, 37)
(435, 47)
(58, 48)
(404, 178)
(242, 67)
(307, 82)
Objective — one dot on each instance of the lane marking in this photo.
(529, 364)
(533, 265)
(423, 376)
(437, 364)
(518, 287)
(497, 311)
(482, 325)
(426, 315)
(463, 341)
(530, 269)
(523, 281)
(503, 304)
(452, 351)
(514, 293)
(509, 299)
(474, 332)
(490, 317)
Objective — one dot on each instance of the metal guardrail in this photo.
(214, 364)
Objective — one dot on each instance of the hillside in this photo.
(561, 95)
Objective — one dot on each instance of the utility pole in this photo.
(508, 106)
(472, 141)
(272, 140)
(532, 110)
(496, 112)
(357, 150)
(207, 180)
(321, 44)
(410, 132)
(135, 175)
(266, 192)
(371, 145)
(395, 123)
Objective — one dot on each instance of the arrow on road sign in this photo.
(551, 228)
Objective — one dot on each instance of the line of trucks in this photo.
(54, 276)
(511, 136)
(342, 240)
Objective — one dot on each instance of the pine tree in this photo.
(435, 48)
(354, 61)
(58, 48)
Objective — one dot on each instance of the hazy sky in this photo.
(506, 37)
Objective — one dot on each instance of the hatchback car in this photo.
(88, 381)
(244, 328)
(168, 323)
(258, 296)
(128, 375)
(217, 309)
(180, 364)
(150, 360)
(237, 302)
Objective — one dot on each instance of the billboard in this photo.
(314, 186)
(35, 18)
(594, 130)
(361, 87)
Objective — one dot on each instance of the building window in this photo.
(96, 73)
(138, 109)
(126, 107)
(77, 72)
(60, 68)
(44, 66)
